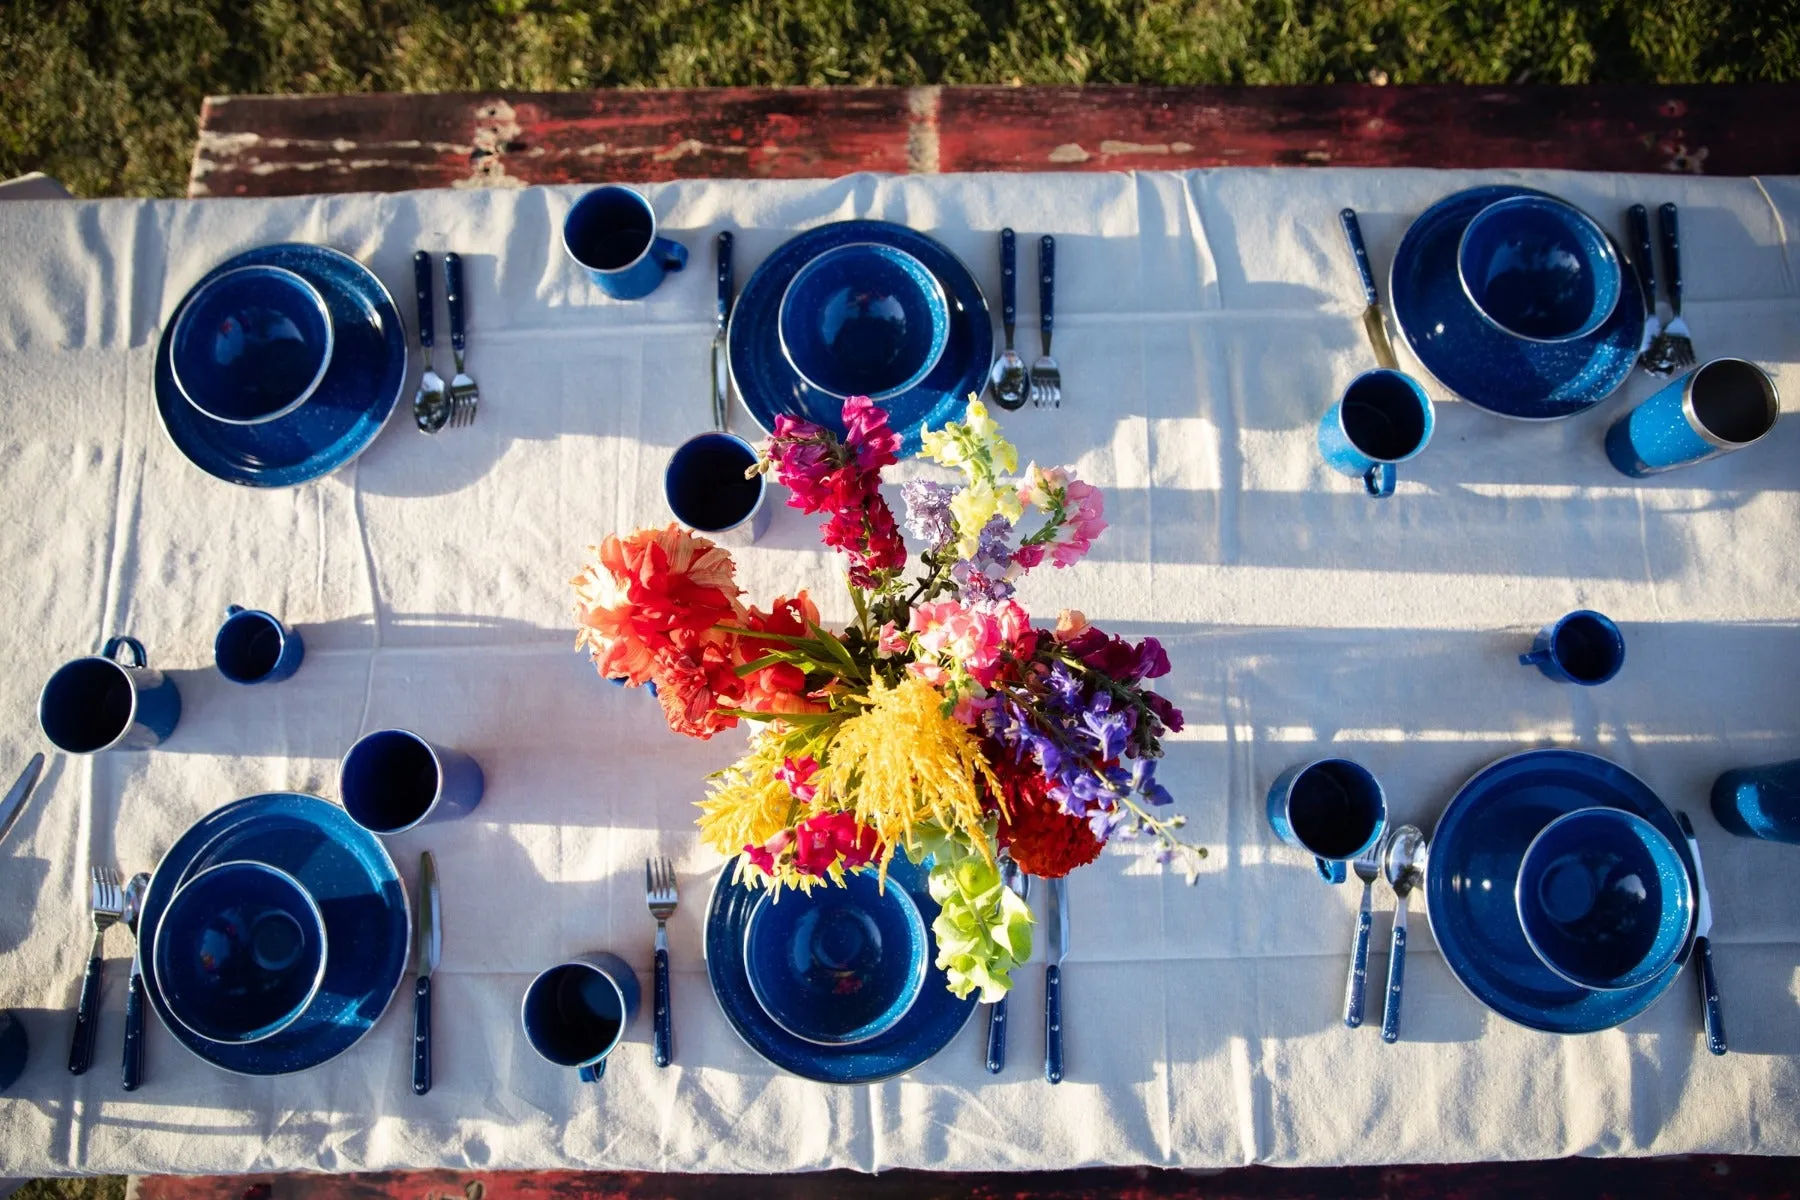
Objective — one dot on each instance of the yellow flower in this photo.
(974, 506)
(903, 763)
(747, 805)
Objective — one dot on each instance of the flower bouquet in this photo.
(941, 723)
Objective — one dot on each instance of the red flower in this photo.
(693, 683)
(780, 688)
(825, 838)
(1042, 838)
(843, 478)
(657, 590)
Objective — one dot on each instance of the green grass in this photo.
(102, 1187)
(104, 94)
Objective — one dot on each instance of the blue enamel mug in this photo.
(1332, 808)
(1584, 647)
(254, 647)
(575, 1014)
(1725, 405)
(1383, 418)
(102, 703)
(710, 491)
(393, 780)
(1760, 802)
(611, 232)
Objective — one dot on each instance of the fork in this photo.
(1046, 376)
(1678, 347)
(108, 902)
(464, 396)
(1367, 866)
(1650, 349)
(659, 894)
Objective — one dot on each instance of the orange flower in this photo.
(780, 688)
(694, 684)
(654, 591)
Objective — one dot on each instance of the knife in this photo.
(430, 937)
(1020, 883)
(1059, 949)
(14, 804)
(722, 314)
(1709, 983)
(1373, 325)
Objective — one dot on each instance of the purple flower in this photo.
(1143, 782)
(1167, 713)
(1109, 729)
(928, 511)
(987, 575)
(1152, 660)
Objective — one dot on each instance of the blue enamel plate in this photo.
(365, 377)
(1473, 863)
(349, 875)
(928, 1026)
(1532, 381)
(770, 387)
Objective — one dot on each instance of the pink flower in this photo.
(969, 637)
(795, 772)
(1028, 555)
(825, 838)
(764, 855)
(889, 641)
(866, 429)
(1084, 520)
(843, 479)
(930, 672)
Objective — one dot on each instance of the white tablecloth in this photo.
(1205, 321)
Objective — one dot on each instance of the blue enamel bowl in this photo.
(240, 952)
(1539, 269)
(865, 319)
(838, 965)
(1603, 899)
(251, 344)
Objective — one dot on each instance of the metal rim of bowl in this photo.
(1608, 252)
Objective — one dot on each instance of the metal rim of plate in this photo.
(1629, 294)
(726, 925)
(1636, 1000)
(961, 288)
(377, 298)
(206, 833)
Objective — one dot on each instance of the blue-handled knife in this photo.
(430, 937)
(1020, 884)
(1059, 949)
(1709, 983)
(14, 804)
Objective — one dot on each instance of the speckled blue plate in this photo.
(1473, 863)
(930, 1025)
(770, 387)
(350, 876)
(364, 380)
(1531, 381)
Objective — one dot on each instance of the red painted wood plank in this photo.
(266, 146)
(1688, 1178)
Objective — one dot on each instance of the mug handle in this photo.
(671, 254)
(1535, 658)
(115, 644)
(1331, 870)
(592, 1073)
(1380, 480)
(232, 610)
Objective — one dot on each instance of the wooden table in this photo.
(289, 145)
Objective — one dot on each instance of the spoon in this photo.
(1007, 381)
(134, 993)
(1403, 864)
(431, 407)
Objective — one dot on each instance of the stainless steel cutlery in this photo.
(1400, 862)
(1703, 963)
(1020, 884)
(1058, 950)
(1368, 869)
(721, 365)
(1373, 324)
(132, 1073)
(431, 406)
(465, 398)
(660, 895)
(1677, 348)
(1008, 382)
(14, 804)
(107, 901)
(429, 949)
(1046, 376)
